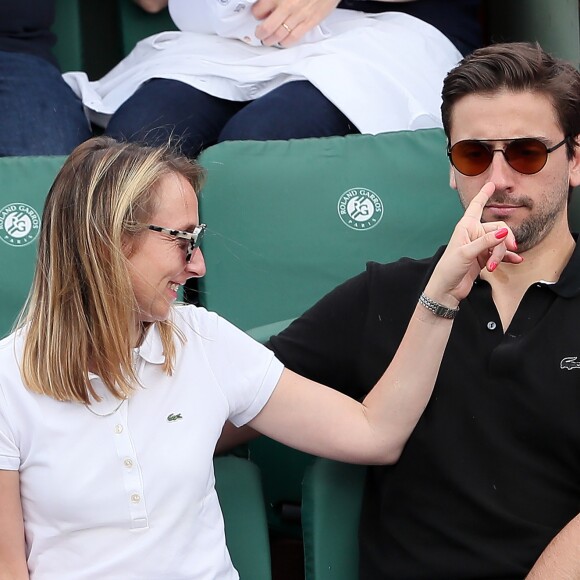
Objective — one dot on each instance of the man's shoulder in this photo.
(401, 272)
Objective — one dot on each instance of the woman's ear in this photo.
(128, 245)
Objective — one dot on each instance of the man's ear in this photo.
(575, 165)
(452, 182)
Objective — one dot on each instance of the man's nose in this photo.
(501, 173)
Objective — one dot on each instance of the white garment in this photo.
(131, 496)
(227, 18)
(383, 71)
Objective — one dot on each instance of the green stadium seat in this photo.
(24, 183)
(137, 24)
(68, 29)
(555, 25)
(80, 28)
(574, 211)
(279, 231)
(239, 490)
(331, 502)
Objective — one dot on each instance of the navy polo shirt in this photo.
(492, 471)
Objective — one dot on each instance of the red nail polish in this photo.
(501, 233)
(492, 266)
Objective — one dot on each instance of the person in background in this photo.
(490, 474)
(40, 113)
(283, 69)
(112, 398)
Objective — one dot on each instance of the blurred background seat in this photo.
(24, 183)
(239, 488)
(555, 24)
(136, 24)
(331, 503)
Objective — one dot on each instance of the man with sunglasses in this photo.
(491, 473)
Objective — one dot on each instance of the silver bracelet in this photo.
(438, 309)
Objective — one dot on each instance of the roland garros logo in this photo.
(360, 208)
(19, 224)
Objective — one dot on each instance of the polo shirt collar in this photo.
(568, 286)
(151, 350)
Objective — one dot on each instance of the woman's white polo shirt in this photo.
(128, 492)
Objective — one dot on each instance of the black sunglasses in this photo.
(527, 155)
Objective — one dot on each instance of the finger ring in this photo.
(286, 27)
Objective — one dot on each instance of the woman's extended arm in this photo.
(12, 545)
(561, 559)
(319, 420)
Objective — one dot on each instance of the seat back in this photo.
(290, 220)
(24, 183)
(574, 211)
(555, 25)
(68, 29)
(239, 489)
(136, 24)
(331, 504)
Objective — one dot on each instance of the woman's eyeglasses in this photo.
(193, 238)
(527, 155)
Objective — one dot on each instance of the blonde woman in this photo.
(112, 398)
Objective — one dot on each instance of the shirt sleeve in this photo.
(323, 344)
(246, 371)
(9, 452)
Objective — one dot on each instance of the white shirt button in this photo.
(118, 428)
(135, 498)
(128, 463)
(491, 325)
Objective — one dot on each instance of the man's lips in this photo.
(503, 207)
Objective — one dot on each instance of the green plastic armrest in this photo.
(263, 333)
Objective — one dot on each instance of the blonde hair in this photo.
(81, 308)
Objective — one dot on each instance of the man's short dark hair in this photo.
(517, 67)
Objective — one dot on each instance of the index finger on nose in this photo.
(475, 208)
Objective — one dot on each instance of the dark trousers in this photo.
(163, 108)
(39, 113)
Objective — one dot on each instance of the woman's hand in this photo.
(473, 246)
(284, 22)
(152, 5)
